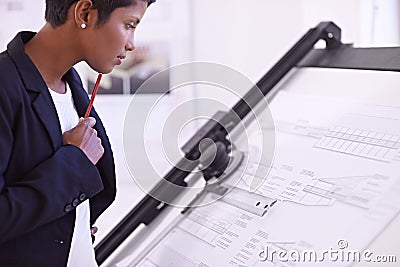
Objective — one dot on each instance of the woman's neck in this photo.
(53, 53)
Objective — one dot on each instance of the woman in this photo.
(57, 171)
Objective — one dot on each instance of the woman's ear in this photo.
(84, 14)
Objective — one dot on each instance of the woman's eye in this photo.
(130, 26)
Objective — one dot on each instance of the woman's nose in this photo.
(129, 44)
(129, 47)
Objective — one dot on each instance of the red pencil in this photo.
(96, 87)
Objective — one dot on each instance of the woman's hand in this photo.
(85, 137)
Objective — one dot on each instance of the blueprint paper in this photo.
(335, 175)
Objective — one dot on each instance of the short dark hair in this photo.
(56, 10)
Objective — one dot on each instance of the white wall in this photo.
(246, 35)
(252, 35)
(31, 17)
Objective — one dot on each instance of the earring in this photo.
(83, 25)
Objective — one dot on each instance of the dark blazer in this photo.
(42, 181)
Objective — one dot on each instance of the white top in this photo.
(81, 252)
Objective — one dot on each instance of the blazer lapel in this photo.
(47, 113)
(36, 87)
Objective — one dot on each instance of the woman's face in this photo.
(106, 45)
